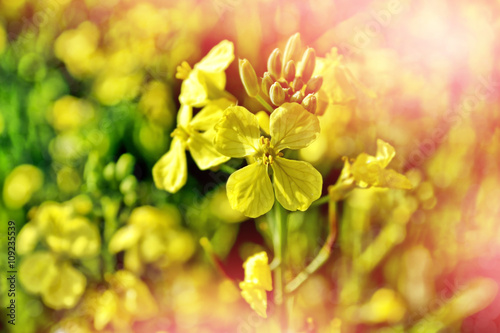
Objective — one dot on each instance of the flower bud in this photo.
(314, 84)
(297, 83)
(297, 97)
(249, 78)
(292, 49)
(309, 103)
(267, 82)
(308, 64)
(274, 63)
(277, 94)
(124, 166)
(289, 72)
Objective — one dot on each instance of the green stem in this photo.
(324, 253)
(226, 168)
(264, 103)
(320, 201)
(280, 234)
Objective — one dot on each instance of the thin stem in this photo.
(320, 201)
(268, 107)
(323, 254)
(226, 168)
(280, 234)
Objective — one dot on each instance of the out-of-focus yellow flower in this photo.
(70, 113)
(152, 236)
(110, 87)
(50, 273)
(20, 185)
(156, 103)
(193, 133)
(257, 281)
(125, 300)
(384, 306)
(296, 183)
(207, 80)
(368, 170)
(78, 49)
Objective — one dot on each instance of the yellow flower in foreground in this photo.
(296, 183)
(152, 236)
(257, 282)
(193, 133)
(50, 273)
(367, 170)
(207, 80)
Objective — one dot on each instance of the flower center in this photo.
(181, 133)
(266, 152)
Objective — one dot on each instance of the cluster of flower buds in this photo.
(284, 81)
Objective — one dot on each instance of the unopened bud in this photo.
(249, 78)
(308, 64)
(297, 83)
(309, 103)
(267, 82)
(297, 97)
(277, 94)
(292, 49)
(289, 72)
(314, 84)
(274, 63)
(124, 166)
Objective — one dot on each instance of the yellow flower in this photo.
(193, 133)
(21, 184)
(257, 282)
(367, 170)
(152, 236)
(296, 183)
(125, 300)
(207, 80)
(50, 273)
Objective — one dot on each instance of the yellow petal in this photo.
(256, 297)
(296, 183)
(105, 310)
(170, 172)
(132, 260)
(84, 238)
(257, 271)
(152, 246)
(385, 153)
(194, 90)
(249, 190)
(210, 114)
(184, 116)
(237, 132)
(124, 239)
(293, 127)
(203, 151)
(218, 59)
(36, 271)
(65, 289)
(28, 238)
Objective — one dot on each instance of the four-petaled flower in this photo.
(193, 133)
(296, 183)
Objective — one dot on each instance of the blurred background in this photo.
(88, 98)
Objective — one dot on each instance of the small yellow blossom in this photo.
(296, 183)
(257, 282)
(21, 184)
(50, 273)
(193, 133)
(367, 170)
(152, 236)
(207, 80)
(125, 300)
